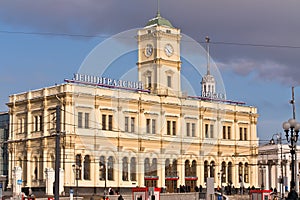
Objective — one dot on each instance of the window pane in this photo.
(168, 127)
(169, 81)
(126, 123)
(193, 129)
(103, 122)
(229, 132)
(153, 126)
(187, 129)
(206, 130)
(79, 119)
(110, 122)
(132, 124)
(86, 120)
(224, 132)
(86, 175)
(241, 133)
(245, 134)
(211, 131)
(147, 125)
(174, 128)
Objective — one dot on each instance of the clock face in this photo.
(148, 50)
(169, 50)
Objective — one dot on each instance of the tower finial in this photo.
(207, 39)
(158, 11)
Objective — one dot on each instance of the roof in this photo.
(159, 21)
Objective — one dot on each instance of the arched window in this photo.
(35, 168)
(246, 173)
(147, 167)
(154, 167)
(133, 169)
(40, 167)
(240, 172)
(174, 168)
(78, 163)
(223, 179)
(187, 168)
(125, 169)
(110, 168)
(168, 168)
(87, 168)
(205, 170)
(194, 168)
(212, 169)
(52, 161)
(229, 173)
(102, 168)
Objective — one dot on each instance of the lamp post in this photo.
(221, 176)
(76, 170)
(291, 129)
(103, 169)
(279, 141)
(262, 167)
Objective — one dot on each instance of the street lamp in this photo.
(76, 170)
(220, 177)
(279, 141)
(103, 175)
(262, 167)
(291, 129)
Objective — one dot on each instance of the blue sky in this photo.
(254, 43)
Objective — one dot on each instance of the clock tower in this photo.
(159, 62)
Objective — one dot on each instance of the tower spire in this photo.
(158, 11)
(207, 39)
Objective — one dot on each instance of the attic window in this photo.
(168, 31)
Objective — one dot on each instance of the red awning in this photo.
(172, 178)
(191, 178)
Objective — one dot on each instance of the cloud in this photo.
(266, 70)
(256, 22)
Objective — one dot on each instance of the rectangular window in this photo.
(187, 129)
(132, 124)
(174, 127)
(206, 130)
(79, 119)
(103, 122)
(211, 131)
(86, 120)
(41, 126)
(20, 123)
(168, 127)
(126, 124)
(245, 134)
(228, 132)
(241, 133)
(36, 123)
(110, 122)
(148, 125)
(153, 126)
(169, 79)
(224, 132)
(193, 129)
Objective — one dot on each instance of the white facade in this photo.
(274, 162)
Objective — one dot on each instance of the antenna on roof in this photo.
(207, 39)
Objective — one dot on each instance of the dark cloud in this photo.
(269, 22)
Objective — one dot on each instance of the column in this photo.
(17, 181)
(49, 172)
